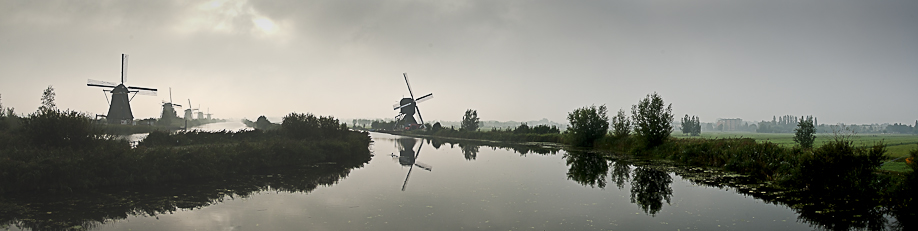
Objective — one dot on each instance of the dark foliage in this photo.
(649, 188)
(838, 167)
(588, 124)
(652, 120)
(621, 125)
(805, 134)
(470, 121)
(59, 129)
(308, 126)
(65, 151)
(588, 169)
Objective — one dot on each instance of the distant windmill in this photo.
(169, 114)
(189, 113)
(408, 107)
(200, 113)
(408, 157)
(208, 113)
(119, 109)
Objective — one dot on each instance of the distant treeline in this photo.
(484, 125)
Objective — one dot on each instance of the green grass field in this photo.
(898, 145)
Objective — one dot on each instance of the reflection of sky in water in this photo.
(228, 126)
(499, 190)
(211, 127)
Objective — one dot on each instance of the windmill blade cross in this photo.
(142, 88)
(396, 106)
(424, 98)
(124, 66)
(420, 117)
(98, 83)
(150, 93)
(409, 85)
(423, 166)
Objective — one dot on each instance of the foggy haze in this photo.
(841, 61)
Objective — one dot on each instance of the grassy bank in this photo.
(55, 151)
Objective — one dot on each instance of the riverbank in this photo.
(837, 172)
(38, 157)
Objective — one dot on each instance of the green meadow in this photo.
(897, 145)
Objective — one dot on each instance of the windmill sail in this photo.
(119, 110)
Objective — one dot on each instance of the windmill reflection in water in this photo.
(408, 157)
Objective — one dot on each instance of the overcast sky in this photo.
(842, 61)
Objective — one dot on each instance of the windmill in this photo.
(408, 157)
(200, 113)
(408, 107)
(119, 109)
(189, 113)
(169, 114)
(208, 113)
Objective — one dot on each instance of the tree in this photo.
(652, 122)
(587, 125)
(262, 123)
(470, 121)
(621, 125)
(436, 127)
(805, 133)
(691, 125)
(688, 125)
(696, 126)
(522, 129)
(47, 99)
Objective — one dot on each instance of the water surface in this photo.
(414, 184)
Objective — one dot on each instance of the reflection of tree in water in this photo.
(841, 212)
(89, 209)
(436, 143)
(470, 148)
(470, 151)
(621, 173)
(587, 168)
(649, 188)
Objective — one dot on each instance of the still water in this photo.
(416, 184)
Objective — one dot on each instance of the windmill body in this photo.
(407, 108)
(119, 109)
(169, 114)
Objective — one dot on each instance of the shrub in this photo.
(652, 122)
(587, 125)
(308, 126)
(805, 133)
(470, 121)
(839, 166)
(621, 125)
(55, 128)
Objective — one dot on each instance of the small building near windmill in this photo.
(729, 124)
